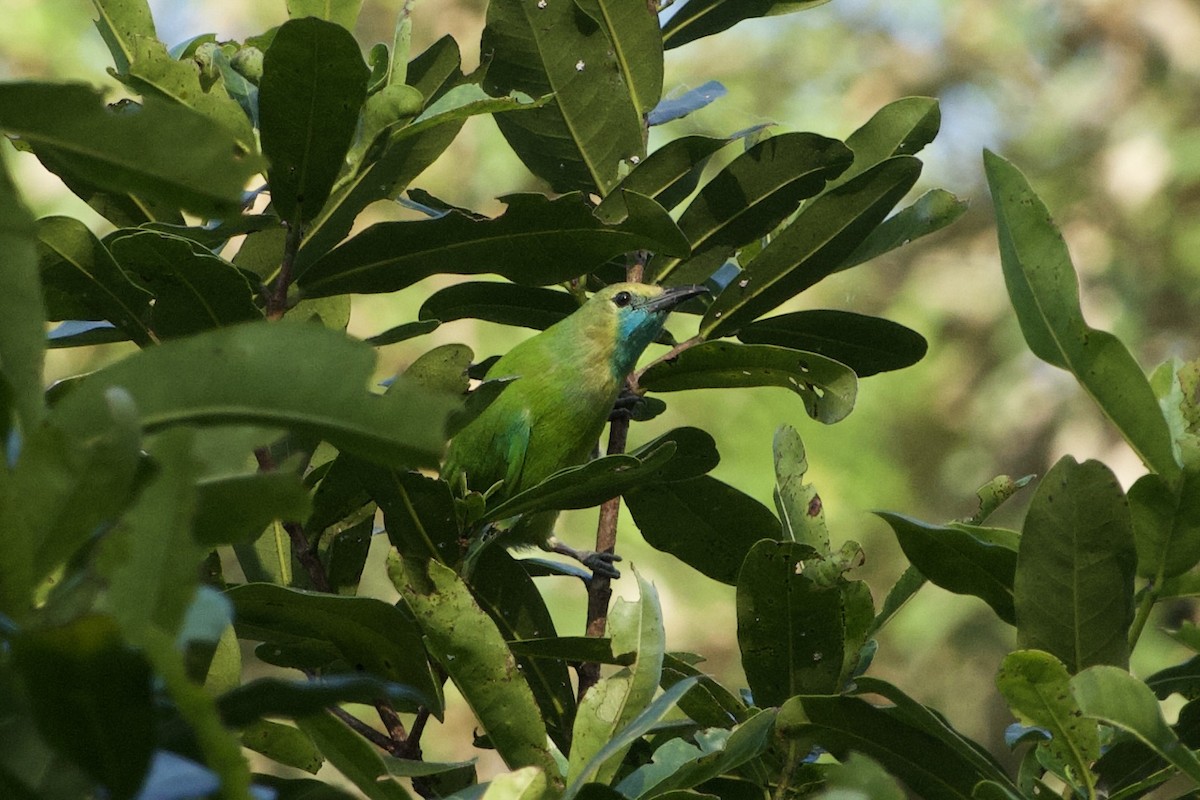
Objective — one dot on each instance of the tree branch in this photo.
(277, 299)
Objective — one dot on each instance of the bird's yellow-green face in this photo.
(637, 312)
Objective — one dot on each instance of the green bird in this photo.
(567, 379)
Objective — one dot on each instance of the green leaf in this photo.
(579, 140)
(507, 593)
(284, 744)
(120, 24)
(273, 697)
(587, 485)
(252, 376)
(502, 303)
(790, 627)
(537, 241)
(928, 214)
(827, 387)
(867, 345)
(91, 697)
(748, 198)
(160, 150)
(679, 764)
(1038, 690)
(995, 493)
(22, 343)
(859, 777)
(527, 783)
(236, 508)
(901, 128)
(150, 560)
(354, 757)
(340, 12)
(700, 18)
(442, 369)
(404, 332)
(798, 504)
(964, 559)
(418, 512)
(617, 701)
(1166, 524)
(369, 635)
(61, 490)
(813, 245)
(193, 289)
(1115, 697)
(1044, 291)
(705, 523)
(668, 175)
(695, 454)
(470, 648)
(314, 83)
(708, 703)
(636, 42)
(81, 280)
(577, 649)
(346, 553)
(390, 166)
(1073, 589)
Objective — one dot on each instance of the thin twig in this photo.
(380, 740)
(277, 299)
(687, 344)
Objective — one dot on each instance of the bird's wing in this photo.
(517, 447)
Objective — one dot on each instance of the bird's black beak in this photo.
(673, 296)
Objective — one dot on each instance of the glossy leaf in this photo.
(587, 485)
(705, 523)
(274, 697)
(193, 289)
(901, 128)
(748, 198)
(22, 316)
(1078, 524)
(593, 124)
(799, 506)
(340, 12)
(369, 635)
(160, 150)
(503, 303)
(827, 387)
(91, 697)
(668, 175)
(81, 280)
(1115, 697)
(867, 345)
(1166, 524)
(569, 239)
(252, 377)
(636, 42)
(313, 84)
(813, 245)
(1044, 290)
(695, 454)
(964, 559)
(1038, 690)
(617, 701)
(354, 756)
(472, 651)
(698, 18)
(790, 627)
(928, 214)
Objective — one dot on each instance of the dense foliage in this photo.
(223, 483)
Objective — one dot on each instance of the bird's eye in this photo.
(622, 299)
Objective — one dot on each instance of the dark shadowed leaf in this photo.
(313, 84)
(573, 649)
(812, 246)
(161, 150)
(251, 376)
(504, 303)
(695, 453)
(593, 124)
(418, 511)
(236, 508)
(371, 636)
(404, 332)
(283, 743)
(537, 241)
(354, 756)
(827, 387)
(1166, 524)
(748, 198)
(91, 697)
(472, 651)
(1078, 524)
(22, 316)
(668, 175)
(636, 43)
(274, 697)
(699, 18)
(708, 703)
(1044, 291)
(705, 523)
(867, 345)
(964, 559)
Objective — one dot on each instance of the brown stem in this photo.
(277, 299)
(380, 740)
(687, 344)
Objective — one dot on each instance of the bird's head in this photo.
(634, 313)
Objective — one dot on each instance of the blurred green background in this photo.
(1098, 101)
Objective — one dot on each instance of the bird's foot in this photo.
(601, 564)
(625, 405)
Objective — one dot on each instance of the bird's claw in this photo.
(601, 564)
